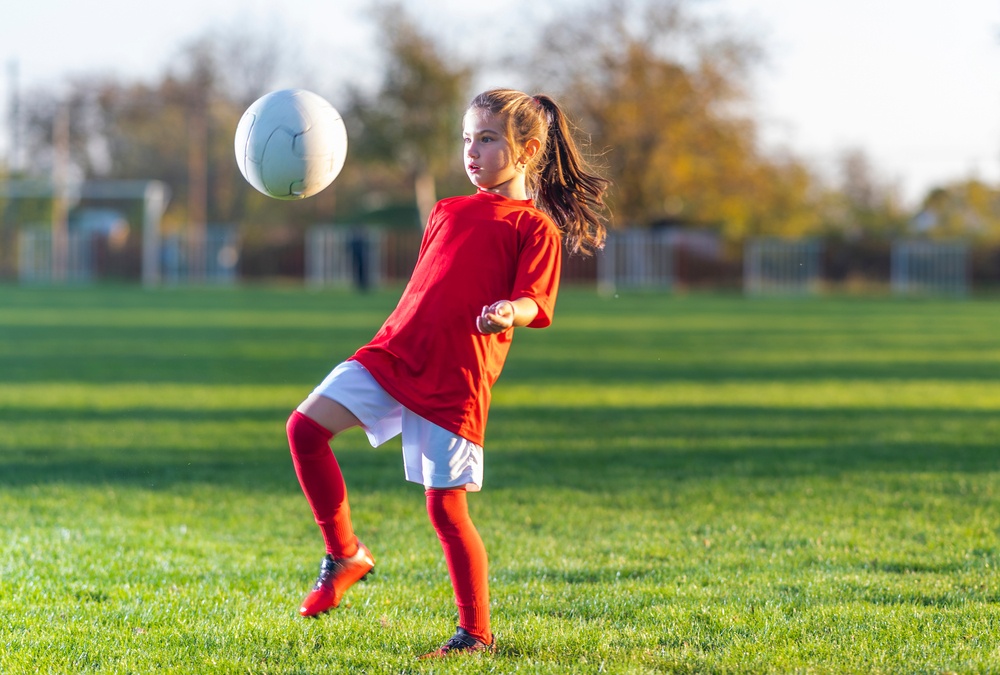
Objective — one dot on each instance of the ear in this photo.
(530, 149)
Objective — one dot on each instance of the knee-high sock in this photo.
(322, 482)
(466, 557)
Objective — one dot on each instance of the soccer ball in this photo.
(290, 144)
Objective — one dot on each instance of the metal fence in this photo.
(188, 259)
(344, 256)
(654, 260)
(930, 268)
(781, 266)
(42, 259)
(636, 259)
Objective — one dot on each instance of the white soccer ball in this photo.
(291, 144)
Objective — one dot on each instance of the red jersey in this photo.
(429, 355)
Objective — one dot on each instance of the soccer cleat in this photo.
(460, 642)
(336, 575)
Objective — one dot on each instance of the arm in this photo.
(504, 314)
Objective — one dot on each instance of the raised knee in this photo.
(305, 435)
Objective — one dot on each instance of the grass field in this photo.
(674, 484)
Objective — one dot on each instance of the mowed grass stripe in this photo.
(824, 395)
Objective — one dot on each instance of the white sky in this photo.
(913, 83)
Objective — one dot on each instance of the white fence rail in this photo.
(930, 268)
(344, 256)
(186, 259)
(37, 257)
(781, 266)
(182, 259)
(636, 259)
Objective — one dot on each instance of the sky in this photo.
(915, 85)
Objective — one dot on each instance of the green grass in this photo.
(674, 484)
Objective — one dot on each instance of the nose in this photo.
(472, 151)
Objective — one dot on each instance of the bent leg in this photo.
(327, 413)
(310, 429)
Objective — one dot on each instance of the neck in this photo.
(511, 189)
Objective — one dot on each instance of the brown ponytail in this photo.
(557, 177)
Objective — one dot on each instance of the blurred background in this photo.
(763, 145)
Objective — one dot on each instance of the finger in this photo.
(498, 322)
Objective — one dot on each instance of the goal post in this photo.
(153, 194)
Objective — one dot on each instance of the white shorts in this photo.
(432, 456)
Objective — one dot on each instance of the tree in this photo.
(861, 203)
(414, 119)
(663, 90)
(964, 209)
(656, 91)
(178, 129)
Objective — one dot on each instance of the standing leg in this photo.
(467, 562)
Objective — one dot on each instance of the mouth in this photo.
(472, 168)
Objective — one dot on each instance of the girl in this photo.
(488, 262)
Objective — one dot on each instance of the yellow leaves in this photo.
(965, 209)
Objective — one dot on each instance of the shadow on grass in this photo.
(707, 372)
(98, 355)
(298, 361)
(602, 450)
(145, 414)
(265, 470)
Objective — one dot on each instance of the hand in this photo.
(496, 318)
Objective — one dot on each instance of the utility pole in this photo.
(198, 183)
(60, 197)
(14, 119)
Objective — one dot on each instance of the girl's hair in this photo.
(557, 177)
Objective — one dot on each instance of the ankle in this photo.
(335, 552)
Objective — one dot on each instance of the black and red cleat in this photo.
(462, 642)
(336, 575)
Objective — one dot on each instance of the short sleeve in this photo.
(538, 269)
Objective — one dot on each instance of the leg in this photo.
(466, 557)
(328, 413)
(310, 429)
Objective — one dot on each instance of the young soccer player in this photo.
(488, 262)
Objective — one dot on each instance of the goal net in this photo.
(65, 249)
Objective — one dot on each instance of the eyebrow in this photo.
(486, 134)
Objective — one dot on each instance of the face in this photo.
(489, 158)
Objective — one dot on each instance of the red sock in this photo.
(322, 482)
(466, 557)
